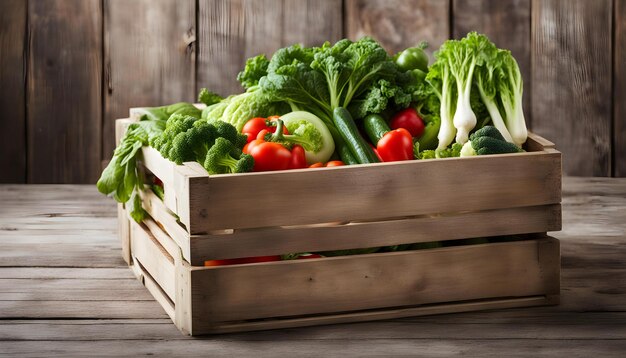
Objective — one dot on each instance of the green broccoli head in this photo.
(426, 154)
(193, 144)
(177, 123)
(224, 157)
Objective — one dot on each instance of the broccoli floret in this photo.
(488, 140)
(193, 144)
(224, 157)
(177, 123)
(426, 154)
(228, 131)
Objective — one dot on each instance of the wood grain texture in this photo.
(619, 90)
(230, 31)
(13, 38)
(278, 241)
(507, 24)
(153, 257)
(571, 81)
(64, 91)
(344, 284)
(149, 58)
(590, 319)
(398, 24)
(390, 189)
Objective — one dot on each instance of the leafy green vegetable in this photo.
(121, 178)
(164, 112)
(510, 90)
(476, 84)
(208, 98)
(242, 107)
(256, 67)
(358, 75)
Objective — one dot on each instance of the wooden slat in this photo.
(123, 232)
(155, 289)
(277, 241)
(161, 214)
(231, 31)
(164, 240)
(153, 257)
(535, 143)
(311, 22)
(64, 91)
(149, 57)
(506, 23)
(619, 90)
(399, 24)
(514, 269)
(381, 314)
(12, 91)
(571, 81)
(370, 191)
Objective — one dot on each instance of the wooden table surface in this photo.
(65, 291)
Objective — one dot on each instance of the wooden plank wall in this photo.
(69, 68)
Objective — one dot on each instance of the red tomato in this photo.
(409, 120)
(246, 148)
(316, 165)
(335, 163)
(396, 145)
(257, 124)
(298, 158)
(270, 156)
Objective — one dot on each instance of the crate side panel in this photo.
(370, 192)
(369, 281)
(154, 258)
(276, 241)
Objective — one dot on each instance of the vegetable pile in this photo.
(338, 104)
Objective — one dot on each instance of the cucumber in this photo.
(375, 127)
(346, 155)
(348, 131)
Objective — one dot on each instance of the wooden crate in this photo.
(206, 217)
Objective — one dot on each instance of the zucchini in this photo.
(375, 127)
(348, 131)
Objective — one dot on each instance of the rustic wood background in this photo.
(69, 68)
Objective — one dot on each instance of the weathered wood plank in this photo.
(81, 309)
(64, 91)
(493, 325)
(74, 273)
(13, 14)
(406, 278)
(150, 57)
(231, 31)
(506, 23)
(571, 81)
(87, 289)
(619, 90)
(303, 346)
(392, 188)
(277, 241)
(398, 24)
(593, 273)
(311, 22)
